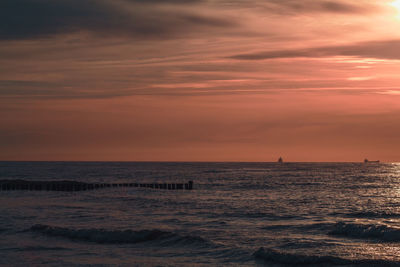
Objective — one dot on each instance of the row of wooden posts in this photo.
(7, 185)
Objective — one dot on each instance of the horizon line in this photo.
(179, 161)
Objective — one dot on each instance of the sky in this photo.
(200, 80)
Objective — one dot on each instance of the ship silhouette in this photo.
(280, 160)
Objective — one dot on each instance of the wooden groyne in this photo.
(7, 185)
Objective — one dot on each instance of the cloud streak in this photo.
(389, 50)
(293, 7)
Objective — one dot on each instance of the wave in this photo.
(271, 255)
(215, 171)
(103, 236)
(301, 227)
(372, 214)
(368, 231)
(256, 214)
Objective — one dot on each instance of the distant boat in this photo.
(280, 160)
(371, 161)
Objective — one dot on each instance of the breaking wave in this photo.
(368, 231)
(103, 236)
(271, 255)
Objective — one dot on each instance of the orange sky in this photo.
(197, 80)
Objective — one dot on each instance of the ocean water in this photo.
(239, 214)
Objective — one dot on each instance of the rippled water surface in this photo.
(242, 214)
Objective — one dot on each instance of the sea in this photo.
(238, 214)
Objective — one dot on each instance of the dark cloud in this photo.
(319, 6)
(378, 49)
(341, 7)
(293, 7)
(53, 90)
(166, 1)
(30, 19)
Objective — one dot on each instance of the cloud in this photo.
(320, 6)
(389, 49)
(53, 90)
(32, 19)
(166, 1)
(293, 7)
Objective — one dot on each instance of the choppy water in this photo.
(242, 214)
